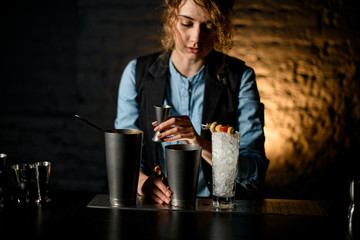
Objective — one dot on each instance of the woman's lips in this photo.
(193, 50)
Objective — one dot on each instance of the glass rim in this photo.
(42, 164)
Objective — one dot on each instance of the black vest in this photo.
(223, 75)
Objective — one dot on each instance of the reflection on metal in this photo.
(249, 207)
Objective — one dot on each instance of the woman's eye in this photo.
(186, 24)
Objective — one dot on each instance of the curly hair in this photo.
(219, 11)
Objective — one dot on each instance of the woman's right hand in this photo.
(154, 187)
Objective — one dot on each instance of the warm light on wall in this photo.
(305, 56)
(304, 93)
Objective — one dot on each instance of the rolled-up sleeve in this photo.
(253, 163)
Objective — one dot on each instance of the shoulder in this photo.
(154, 64)
(235, 68)
(129, 69)
(231, 62)
(223, 64)
(236, 65)
(143, 63)
(147, 61)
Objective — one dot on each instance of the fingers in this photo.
(156, 189)
(174, 120)
(176, 128)
(184, 137)
(153, 190)
(177, 133)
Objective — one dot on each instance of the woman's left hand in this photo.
(177, 128)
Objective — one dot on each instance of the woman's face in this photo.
(194, 32)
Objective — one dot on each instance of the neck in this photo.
(186, 67)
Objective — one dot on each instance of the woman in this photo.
(201, 85)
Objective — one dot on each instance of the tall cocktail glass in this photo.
(225, 154)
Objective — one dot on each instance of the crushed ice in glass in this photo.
(225, 154)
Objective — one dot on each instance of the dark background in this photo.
(60, 58)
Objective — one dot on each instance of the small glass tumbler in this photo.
(25, 192)
(225, 155)
(3, 157)
(3, 182)
(42, 177)
(353, 217)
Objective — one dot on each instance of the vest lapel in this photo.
(154, 93)
(156, 86)
(212, 95)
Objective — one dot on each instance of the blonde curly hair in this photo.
(219, 11)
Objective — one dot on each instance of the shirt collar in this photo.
(193, 79)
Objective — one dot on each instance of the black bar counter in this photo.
(73, 215)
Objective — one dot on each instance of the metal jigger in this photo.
(161, 113)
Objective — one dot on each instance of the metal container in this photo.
(161, 114)
(183, 165)
(123, 154)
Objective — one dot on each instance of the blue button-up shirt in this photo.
(185, 96)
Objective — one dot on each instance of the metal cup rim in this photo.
(124, 131)
(162, 106)
(183, 147)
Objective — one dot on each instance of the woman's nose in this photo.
(195, 34)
